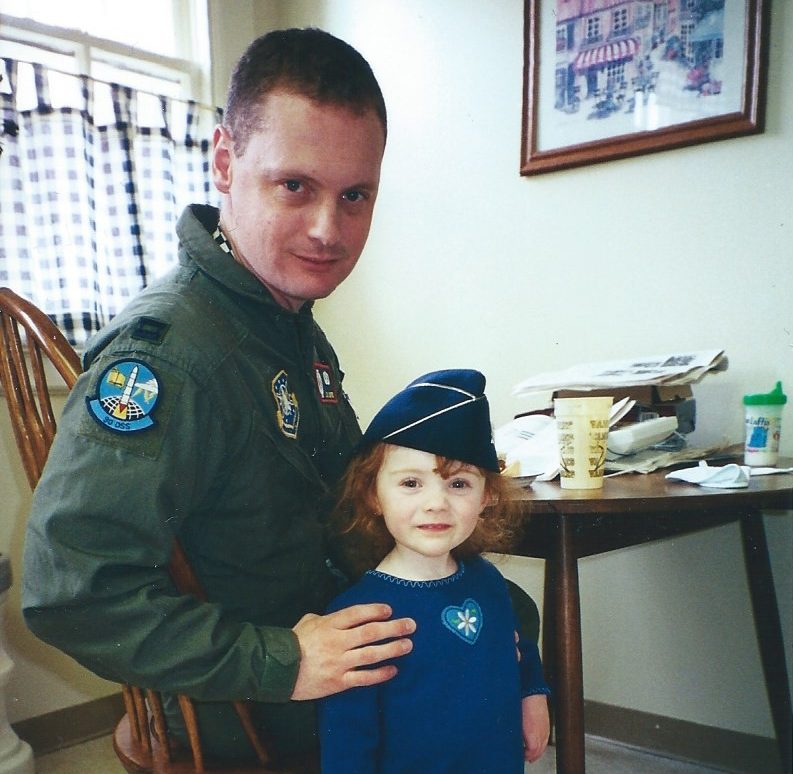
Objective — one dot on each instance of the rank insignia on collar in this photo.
(324, 376)
(286, 408)
(126, 396)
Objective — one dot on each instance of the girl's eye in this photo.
(460, 483)
(410, 483)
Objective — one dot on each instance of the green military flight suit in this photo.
(209, 413)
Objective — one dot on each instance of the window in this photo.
(105, 142)
(593, 29)
(565, 40)
(561, 37)
(96, 38)
(615, 75)
(686, 31)
(619, 21)
(642, 15)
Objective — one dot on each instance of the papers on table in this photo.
(529, 444)
(730, 476)
(659, 370)
(654, 459)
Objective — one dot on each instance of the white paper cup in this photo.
(583, 428)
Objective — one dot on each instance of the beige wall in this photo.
(468, 263)
(43, 679)
(466, 266)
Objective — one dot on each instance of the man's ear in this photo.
(222, 158)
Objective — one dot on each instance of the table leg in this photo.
(549, 637)
(769, 631)
(569, 699)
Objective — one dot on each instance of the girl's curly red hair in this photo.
(359, 529)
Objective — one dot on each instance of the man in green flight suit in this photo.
(212, 410)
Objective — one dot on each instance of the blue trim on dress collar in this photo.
(417, 584)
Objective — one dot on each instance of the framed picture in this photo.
(606, 79)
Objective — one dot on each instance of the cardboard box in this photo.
(651, 401)
(646, 394)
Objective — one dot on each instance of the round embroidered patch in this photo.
(126, 397)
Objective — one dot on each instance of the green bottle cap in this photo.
(774, 398)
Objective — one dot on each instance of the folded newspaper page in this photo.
(652, 459)
(671, 369)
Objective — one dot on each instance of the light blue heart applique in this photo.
(465, 621)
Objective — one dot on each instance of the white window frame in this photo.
(615, 73)
(686, 30)
(186, 76)
(619, 21)
(593, 28)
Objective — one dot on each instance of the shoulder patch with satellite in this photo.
(127, 393)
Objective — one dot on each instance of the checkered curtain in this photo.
(93, 177)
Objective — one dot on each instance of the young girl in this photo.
(421, 500)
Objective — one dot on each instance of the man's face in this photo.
(298, 202)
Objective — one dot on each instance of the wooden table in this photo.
(566, 525)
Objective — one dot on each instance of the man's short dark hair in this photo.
(309, 62)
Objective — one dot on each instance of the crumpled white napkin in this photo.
(717, 477)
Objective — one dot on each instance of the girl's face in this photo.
(427, 515)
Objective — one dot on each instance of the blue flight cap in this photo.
(444, 413)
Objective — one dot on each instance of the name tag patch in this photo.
(126, 396)
(324, 376)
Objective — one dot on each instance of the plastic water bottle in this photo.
(763, 426)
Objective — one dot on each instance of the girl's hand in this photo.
(536, 727)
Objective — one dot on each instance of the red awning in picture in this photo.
(616, 51)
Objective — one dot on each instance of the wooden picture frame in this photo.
(605, 79)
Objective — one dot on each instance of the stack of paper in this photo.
(529, 445)
(658, 370)
(651, 459)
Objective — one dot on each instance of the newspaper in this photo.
(650, 460)
(659, 370)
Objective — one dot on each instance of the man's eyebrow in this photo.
(283, 173)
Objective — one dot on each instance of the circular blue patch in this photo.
(126, 396)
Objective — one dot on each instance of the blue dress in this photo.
(455, 705)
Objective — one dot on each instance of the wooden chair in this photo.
(29, 401)
(141, 738)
